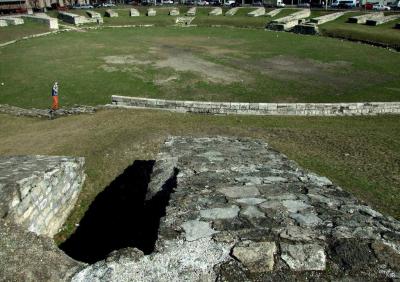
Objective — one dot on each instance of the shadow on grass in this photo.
(119, 217)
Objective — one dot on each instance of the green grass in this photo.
(384, 34)
(358, 153)
(263, 66)
(14, 32)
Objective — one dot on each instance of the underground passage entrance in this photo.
(120, 217)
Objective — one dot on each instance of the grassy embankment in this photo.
(361, 154)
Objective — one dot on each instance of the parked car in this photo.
(202, 3)
(215, 3)
(395, 6)
(258, 4)
(82, 6)
(280, 5)
(380, 7)
(367, 6)
(107, 5)
(303, 5)
(168, 2)
(229, 3)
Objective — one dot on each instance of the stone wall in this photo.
(52, 23)
(241, 211)
(362, 19)
(294, 109)
(38, 192)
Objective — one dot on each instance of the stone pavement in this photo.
(242, 211)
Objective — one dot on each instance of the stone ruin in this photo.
(134, 12)
(257, 12)
(151, 12)
(237, 210)
(232, 11)
(290, 21)
(191, 12)
(174, 12)
(217, 11)
(111, 13)
(362, 19)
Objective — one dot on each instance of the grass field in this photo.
(215, 64)
(360, 154)
(13, 32)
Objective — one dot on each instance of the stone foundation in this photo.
(232, 11)
(363, 18)
(382, 20)
(242, 211)
(3, 23)
(111, 13)
(294, 109)
(134, 12)
(327, 18)
(151, 12)
(52, 23)
(13, 21)
(38, 192)
(174, 12)
(215, 12)
(257, 12)
(191, 12)
(273, 13)
(288, 22)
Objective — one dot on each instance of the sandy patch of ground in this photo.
(178, 59)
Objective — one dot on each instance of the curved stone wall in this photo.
(290, 109)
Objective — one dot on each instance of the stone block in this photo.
(304, 257)
(111, 13)
(32, 176)
(288, 22)
(273, 13)
(215, 12)
(151, 12)
(232, 11)
(13, 21)
(362, 19)
(134, 12)
(256, 256)
(381, 20)
(327, 18)
(3, 23)
(174, 12)
(257, 12)
(191, 12)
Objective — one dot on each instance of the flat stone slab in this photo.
(134, 12)
(362, 19)
(257, 12)
(191, 12)
(220, 213)
(240, 191)
(111, 13)
(174, 12)
(304, 257)
(256, 256)
(151, 12)
(195, 229)
(215, 12)
(296, 225)
(232, 11)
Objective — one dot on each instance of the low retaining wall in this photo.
(288, 22)
(215, 12)
(327, 18)
(257, 12)
(38, 192)
(382, 20)
(52, 23)
(362, 19)
(289, 109)
(232, 12)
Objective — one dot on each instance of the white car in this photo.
(380, 7)
(168, 2)
(280, 5)
(202, 3)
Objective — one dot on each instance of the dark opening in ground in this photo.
(120, 216)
